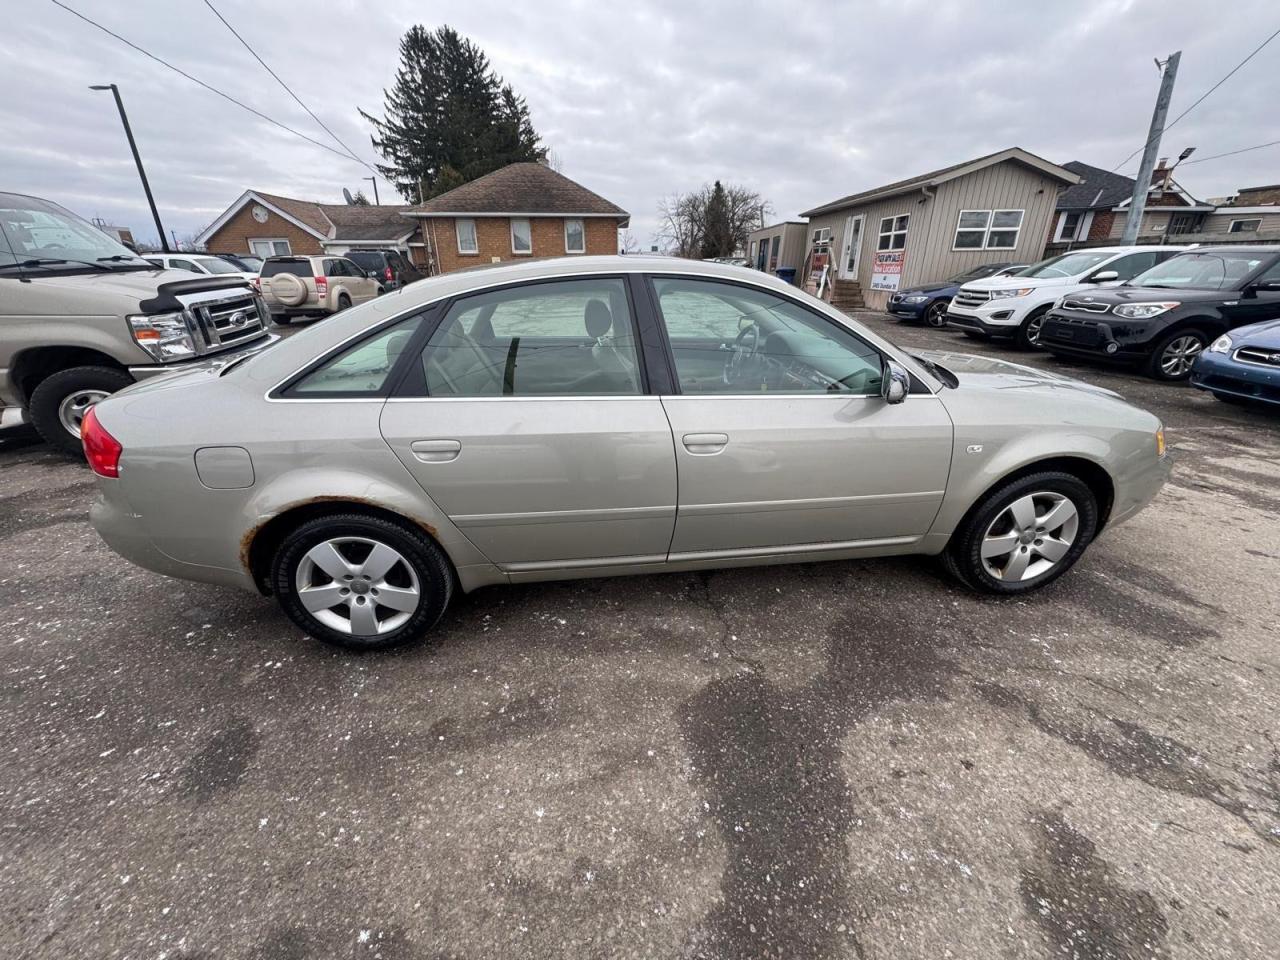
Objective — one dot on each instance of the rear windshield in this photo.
(367, 260)
(299, 268)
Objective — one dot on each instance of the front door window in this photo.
(852, 248)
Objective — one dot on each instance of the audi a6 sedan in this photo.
(599, 416)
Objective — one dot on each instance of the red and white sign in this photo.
(886, 269)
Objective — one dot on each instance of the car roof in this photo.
(1262, 249)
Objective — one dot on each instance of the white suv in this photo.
(1015, 307)
(201, 263)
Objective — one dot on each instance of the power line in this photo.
(1202, 98)
(195, 80)
(1232, 153)
(243, 41)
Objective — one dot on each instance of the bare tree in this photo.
(713, 221)
(627, 242)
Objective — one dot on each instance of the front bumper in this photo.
(914, 311)
(146, 371)
(1096, 336)
(994, 324)
(1139, 487)
(1220, 373)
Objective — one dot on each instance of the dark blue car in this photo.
(1242, 365)
(928, 302)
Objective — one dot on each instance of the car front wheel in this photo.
(1024, 535)
(1175, 353)
(936, 315)
(361, 582)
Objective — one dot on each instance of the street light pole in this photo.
(146, 187)
(374, 181)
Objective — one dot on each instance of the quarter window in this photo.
(362, 370)
(893, 233)
(521, 236)
(466, 231)
(575, 237)
(569, 338)
(1244, 226)
(733, 339)
(988, 229)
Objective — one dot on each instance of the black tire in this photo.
(344, 302)
(963, 556)
(1023, 339)
(422, 555)
(282, 320)
(47, 399)
(1232, 399)
(976, 334)
(935, 315)
(1153, 366)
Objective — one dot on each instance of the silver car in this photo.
(594, 417)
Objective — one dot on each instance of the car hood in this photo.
(991, 373)
(929, 288)
(1147, 294)
(97, 294)
(1265, 334)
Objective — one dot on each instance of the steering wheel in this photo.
(746, 345)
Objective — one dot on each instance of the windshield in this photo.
(36, 230)
(215, 265)
(1067, 264)
(977, 273)
(1201, 271)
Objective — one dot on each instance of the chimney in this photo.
(1160, 175)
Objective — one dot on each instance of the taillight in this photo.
(101, 449)
(322, 286)
(387, 274)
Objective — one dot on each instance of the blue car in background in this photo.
(928, 302)
(1243, 364)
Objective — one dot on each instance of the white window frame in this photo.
(512, 224)
(822, 235)
(891, 232)
(1256, 221)
(475, 237)
(273, 241)
(988, 229)
(582, 228)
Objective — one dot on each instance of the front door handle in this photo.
(436, 451)
(705, 444)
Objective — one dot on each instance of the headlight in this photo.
(1221, 345)
(1143, 311)
(1005, 294)
(163, 335)
(915, 299)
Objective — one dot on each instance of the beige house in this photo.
(936, 225)
(779, 247)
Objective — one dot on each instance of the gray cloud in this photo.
(804, 104)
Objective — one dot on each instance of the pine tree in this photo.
(448, 118)
(717, 234)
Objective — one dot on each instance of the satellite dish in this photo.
(347, 193)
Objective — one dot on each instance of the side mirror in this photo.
(1103, 276)
(895, 383)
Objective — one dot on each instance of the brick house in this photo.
(521, 210)
(265, 225)
(1093, 211)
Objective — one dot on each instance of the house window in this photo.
(270, 248)
(575, 237)
(1244, 226)
(466, 231)
(988, 230)
(893, 233)
(1069, 225)
(521, 237)
(822, 235)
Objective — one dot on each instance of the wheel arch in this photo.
(35, 364)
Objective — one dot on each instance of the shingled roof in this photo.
(521, 188)
(359, 222)
(1097, 188)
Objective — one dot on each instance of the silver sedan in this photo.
(593, 417)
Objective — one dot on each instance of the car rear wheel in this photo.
(936, 315)
(1174, 354)
(1024, 535)
(361, 582)
(344, 302)
(58, 405)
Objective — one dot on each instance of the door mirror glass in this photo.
(896, 383)
(1104, 276)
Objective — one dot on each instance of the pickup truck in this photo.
(82, 316)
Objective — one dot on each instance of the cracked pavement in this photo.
(838, 760)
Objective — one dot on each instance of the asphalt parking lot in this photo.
(841, 760)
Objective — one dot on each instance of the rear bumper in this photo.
(146, 371)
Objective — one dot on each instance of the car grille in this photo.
(971, 298)
(1072, 330)
(1085, 305)
(225, 321)
(1259, 355)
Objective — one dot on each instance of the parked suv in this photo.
(81, 316)
(202, 263)
(304, 286)
(392, 267)
(928, 301)
(1014, 308)
(1164, 318)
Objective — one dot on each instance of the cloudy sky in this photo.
(637, 101)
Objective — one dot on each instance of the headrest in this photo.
(598, 319)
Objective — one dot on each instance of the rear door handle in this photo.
(705, 444)
(436, 451)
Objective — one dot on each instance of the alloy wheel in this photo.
(937, 315)
(358, 586)
(75, 405)
(1034, 326)
(1179, 355)
(1030, 536)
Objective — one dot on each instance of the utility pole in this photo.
(374, 181)
(146, 187)
(1138, 202)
